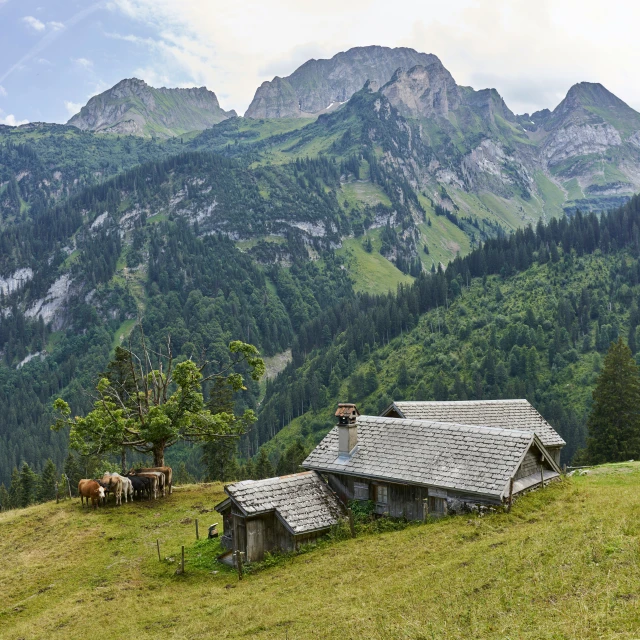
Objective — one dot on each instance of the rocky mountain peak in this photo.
(133, 107)
(320, 85)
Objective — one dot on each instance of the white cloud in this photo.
(34, 23)
(3, 92)
(56, 26)
(72, 107)
(11, 120)
(532, 52)
(85, 63)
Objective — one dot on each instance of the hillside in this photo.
(533, 323)
(563, 564)
(133, 107)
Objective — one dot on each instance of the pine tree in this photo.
(28, 485)
(14, 489)
(291, 459)
(4, 498)
(47, 484)
(614, 423)
(264, 468)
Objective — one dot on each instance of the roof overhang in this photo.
(368, 476)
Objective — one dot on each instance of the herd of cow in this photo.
(146, 482)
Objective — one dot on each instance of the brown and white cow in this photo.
(113, 482)
(90, 489)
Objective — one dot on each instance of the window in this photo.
(382, 494)
(360, 491)
(437, 506)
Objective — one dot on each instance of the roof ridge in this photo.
(443, 426)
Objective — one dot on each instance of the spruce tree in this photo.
(47, 484)
(264, 468)
(28, 485)
(14, 489)
(614, 423)
(4, 498)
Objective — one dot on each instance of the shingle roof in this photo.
(506, 414)
(479, 460)
(302, 500)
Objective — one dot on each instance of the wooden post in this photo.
(510, 495)
(158, 545)
(541, 477)
(239, 564)
(182, 558)
(352, 525)
(57, 494)
(197, 534)
(69, 487)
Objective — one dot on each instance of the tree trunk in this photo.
(158, 456)
(123, 459)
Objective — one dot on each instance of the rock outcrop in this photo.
(133, 107)
(320, 85)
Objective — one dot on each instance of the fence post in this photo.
(197, 534)
(158, 545)
(510, 495)
(541, 477)
(352, 526)
(239, 564)
(182, 558)
(57, 494)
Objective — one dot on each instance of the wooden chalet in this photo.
(277, 514)
(505, 414)
(413, 468)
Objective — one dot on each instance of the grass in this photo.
(371, 272)
(361, 192)
(564, 564)
(123, 333)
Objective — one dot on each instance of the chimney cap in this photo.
(347, 411)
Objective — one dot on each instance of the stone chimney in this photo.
(347, 429)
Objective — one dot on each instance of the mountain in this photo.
(318, 85)
(133, 107)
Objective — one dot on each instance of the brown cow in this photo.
(90, 489)
(167, 472)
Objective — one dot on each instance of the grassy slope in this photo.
(371, 272)
(563, 564)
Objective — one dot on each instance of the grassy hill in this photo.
(563, 564)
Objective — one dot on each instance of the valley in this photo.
(348, 183)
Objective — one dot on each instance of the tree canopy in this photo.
(149, 409)
(614, 423)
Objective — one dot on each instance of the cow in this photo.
(141, 485)
(153, 477)
(90, 489)
(113, 482)
(166, 471)
(161, 477)
(127, 487)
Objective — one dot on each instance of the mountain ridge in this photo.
(133, 107)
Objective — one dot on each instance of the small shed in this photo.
(277, 513)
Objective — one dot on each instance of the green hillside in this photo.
(562, 565)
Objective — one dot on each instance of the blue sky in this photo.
(55, 54)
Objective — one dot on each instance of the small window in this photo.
(437, 506)
(382, 494)
(360, 491)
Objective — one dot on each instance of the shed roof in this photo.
(474, 459)
(302, 501)
(506, 414)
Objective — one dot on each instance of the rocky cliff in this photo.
(133, 107)
(319, 85)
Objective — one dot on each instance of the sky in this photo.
(56, 54)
